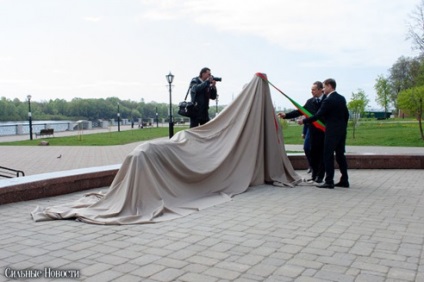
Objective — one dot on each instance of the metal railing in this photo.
(10, 172)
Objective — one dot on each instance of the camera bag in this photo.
(185, 108)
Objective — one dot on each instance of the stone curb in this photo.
(59, 183)
(55, 183)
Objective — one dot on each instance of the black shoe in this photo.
(318, 180)
(326, 185)
(343, 184)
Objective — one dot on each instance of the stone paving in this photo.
(44, 159)
(373, 231)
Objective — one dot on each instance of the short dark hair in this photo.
(202, 71)
(318, 84)
(330, 81)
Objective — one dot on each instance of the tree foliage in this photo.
(411, 101)
(416, 27)
(403, 75)
(87, 109)
(384, 92)
(356, 106)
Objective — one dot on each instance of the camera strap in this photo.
(188, 91)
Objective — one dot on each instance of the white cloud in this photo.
(15, 81)
(110, 83)
(55, 53)
(364, 32)
(92, 19)
(6, 59)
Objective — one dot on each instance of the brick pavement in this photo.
(44, 159)
(373, 231)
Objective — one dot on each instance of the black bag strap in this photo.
(188, 90)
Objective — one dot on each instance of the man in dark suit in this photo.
(202, 89)
(336, 115)
(316, 135)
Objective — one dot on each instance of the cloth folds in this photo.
(197, 168)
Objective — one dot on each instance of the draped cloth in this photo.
(197, 168)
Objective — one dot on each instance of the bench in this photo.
(144, 124)
(45, 132)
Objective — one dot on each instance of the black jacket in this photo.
(312, 107)
(201, 92)
(335, 113)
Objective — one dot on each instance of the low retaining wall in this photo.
(59, 183)
(370, 161)
(55, 183)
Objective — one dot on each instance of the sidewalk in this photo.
(43, 159)
(373, 231)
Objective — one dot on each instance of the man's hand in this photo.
(300, 121)
(281, 115)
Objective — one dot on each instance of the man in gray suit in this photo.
(336, 115)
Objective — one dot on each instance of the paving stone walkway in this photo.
(373, 231)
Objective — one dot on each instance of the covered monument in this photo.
(196, 169)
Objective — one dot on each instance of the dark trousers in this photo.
(317, 154)
(335, 144)
(195, 121)
(307, 149)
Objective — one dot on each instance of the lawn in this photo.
(368, 133)
(101, 139)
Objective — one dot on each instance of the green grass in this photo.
(101, 139)
(370, 133)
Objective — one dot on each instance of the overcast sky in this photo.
(124, 48)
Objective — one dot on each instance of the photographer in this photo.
(202, 88)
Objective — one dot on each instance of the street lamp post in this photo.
(119, 120)
(157, 117)
(29, 117)
(216, 109)
(170, 78)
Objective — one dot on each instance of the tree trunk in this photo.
(420, 116)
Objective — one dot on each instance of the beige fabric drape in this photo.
(197, 168)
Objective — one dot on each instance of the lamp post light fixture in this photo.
(29, 117)
(170, 78)
(119, 120)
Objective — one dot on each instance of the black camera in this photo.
(217, 78)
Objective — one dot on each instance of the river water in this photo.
(22, 127)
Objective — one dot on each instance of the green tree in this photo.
(8, 110)
(86, 109)
(403, 75)
(356, 106)
(420, 77)
(416, 27)
(384, 91)
(411, 101)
